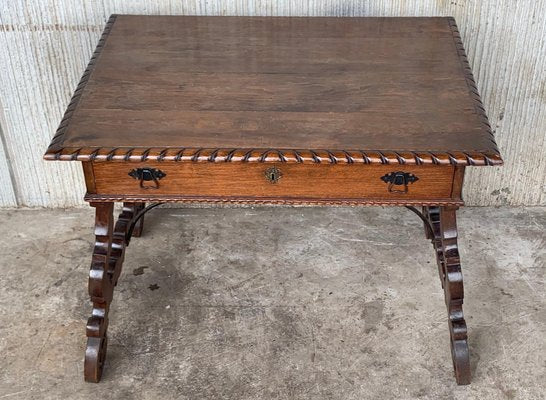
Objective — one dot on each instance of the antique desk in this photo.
(314, 111)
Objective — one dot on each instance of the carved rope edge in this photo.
(470, 82)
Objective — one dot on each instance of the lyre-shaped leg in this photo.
(107, 260)
(444, 228)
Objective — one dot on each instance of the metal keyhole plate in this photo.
(273, 174)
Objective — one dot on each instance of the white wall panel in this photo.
(45, 45)
(7, 190)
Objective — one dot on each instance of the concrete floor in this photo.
(274, 303)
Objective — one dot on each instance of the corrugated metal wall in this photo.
(45, 45)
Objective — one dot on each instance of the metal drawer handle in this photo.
(148, 174)
(273, 174)
(398, 178)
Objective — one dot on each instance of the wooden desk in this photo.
(315, 111)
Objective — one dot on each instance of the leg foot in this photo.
(95, 354)
(443, 221)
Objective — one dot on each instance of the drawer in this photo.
(267, 180)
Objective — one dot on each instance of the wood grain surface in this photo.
(158, 83)
(308, 181)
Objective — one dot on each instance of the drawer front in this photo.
(266, 180)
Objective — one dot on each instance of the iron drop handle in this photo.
(398, 178)
(148, 175)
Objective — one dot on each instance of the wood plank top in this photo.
(269, 89)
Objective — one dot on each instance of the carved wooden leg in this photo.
(107, 260)
(444, 227)
(137, 232)
(119, 242)
(100, 291)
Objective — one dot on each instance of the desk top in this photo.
(270, 89)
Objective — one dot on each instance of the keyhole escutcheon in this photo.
(273, 174)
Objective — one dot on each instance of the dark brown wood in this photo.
(219, 89)
(100, 291)
(107, 260)
(139, 227)
(314, 111)
(444, 240)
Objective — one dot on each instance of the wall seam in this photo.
(9, 158)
